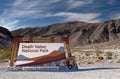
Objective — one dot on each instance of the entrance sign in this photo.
(41, 52)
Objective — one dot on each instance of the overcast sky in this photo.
(16, 14)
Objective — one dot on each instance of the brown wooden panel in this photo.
(17, 40)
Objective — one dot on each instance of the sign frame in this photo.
(18, 40)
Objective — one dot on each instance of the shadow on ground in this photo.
(72, 70)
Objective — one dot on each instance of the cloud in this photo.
(72, 16)
(77, 3)
(10, 24)
(25, 9)
(28, 8)
(32, 9)
(42, 9)
(115, 16)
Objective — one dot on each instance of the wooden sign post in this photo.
(45, 50)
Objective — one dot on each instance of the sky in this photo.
(15, 14)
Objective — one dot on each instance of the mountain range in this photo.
(5, 37)
(79, 33)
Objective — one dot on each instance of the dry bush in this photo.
(4, 54)
(87, 62)
(118, 61)
(108, 55)
(78, 63)
(100, 57)
(97, 54)
(87, 53)
(117, 56)
(97, 61)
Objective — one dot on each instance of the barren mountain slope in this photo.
(5, 37)
(79, 33)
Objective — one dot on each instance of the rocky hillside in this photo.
(79, 33)
(5, 37)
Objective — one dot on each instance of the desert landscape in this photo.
(85, 71)
(92, 27)
(92, 63)
(95, 46)
(94, 72)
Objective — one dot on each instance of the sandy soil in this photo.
(100, 71)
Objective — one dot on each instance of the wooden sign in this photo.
(47, 52)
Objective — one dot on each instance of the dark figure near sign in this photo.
(70, 62)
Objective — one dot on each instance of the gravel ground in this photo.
(102, 71)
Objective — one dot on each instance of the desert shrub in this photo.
(87, 62)
(87, 53)
(97, 54)
(100, 57)
(78, 63)
(97, 61)
(5, 54)
(108, 55)
(118, 61)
